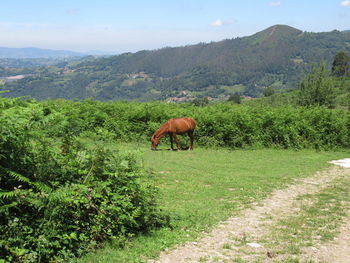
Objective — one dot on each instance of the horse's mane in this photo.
(161, 131)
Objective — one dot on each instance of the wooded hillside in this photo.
(276, 57)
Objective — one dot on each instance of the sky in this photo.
(132, 25)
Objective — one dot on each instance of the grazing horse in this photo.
(173, 127)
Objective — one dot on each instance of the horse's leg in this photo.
(177, 142)
(190, 134)
(171, 141)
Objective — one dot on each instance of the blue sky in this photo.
(131, 25)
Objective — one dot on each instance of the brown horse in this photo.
(173, 127)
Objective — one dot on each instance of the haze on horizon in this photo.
(129, 26)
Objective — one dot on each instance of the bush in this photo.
(58, 200)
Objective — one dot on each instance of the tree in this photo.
(317, 88)
(341, 64)
(269, 91)
(196, 102)
(235, 98)
(205, 101)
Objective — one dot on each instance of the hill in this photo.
(275, 57)
(32, 52)
(36, 62)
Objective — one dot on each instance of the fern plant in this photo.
(63, 193)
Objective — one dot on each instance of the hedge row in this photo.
(225, 125)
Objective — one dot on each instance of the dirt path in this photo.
(337, 251)
(237, 237)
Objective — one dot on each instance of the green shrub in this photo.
(56, 204)
(223, 124)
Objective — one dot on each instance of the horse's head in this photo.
(155, 142)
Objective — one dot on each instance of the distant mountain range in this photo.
(276, 57)
(32, 52)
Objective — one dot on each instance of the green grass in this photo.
(200, 188)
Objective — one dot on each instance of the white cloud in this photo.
(345, 3)
(275, 3)
(219, 22)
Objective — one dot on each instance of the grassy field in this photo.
(200, 188)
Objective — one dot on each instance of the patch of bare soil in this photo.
(238, 237)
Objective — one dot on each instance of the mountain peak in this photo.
(281, 27)
(276, 32)
(281, 30)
